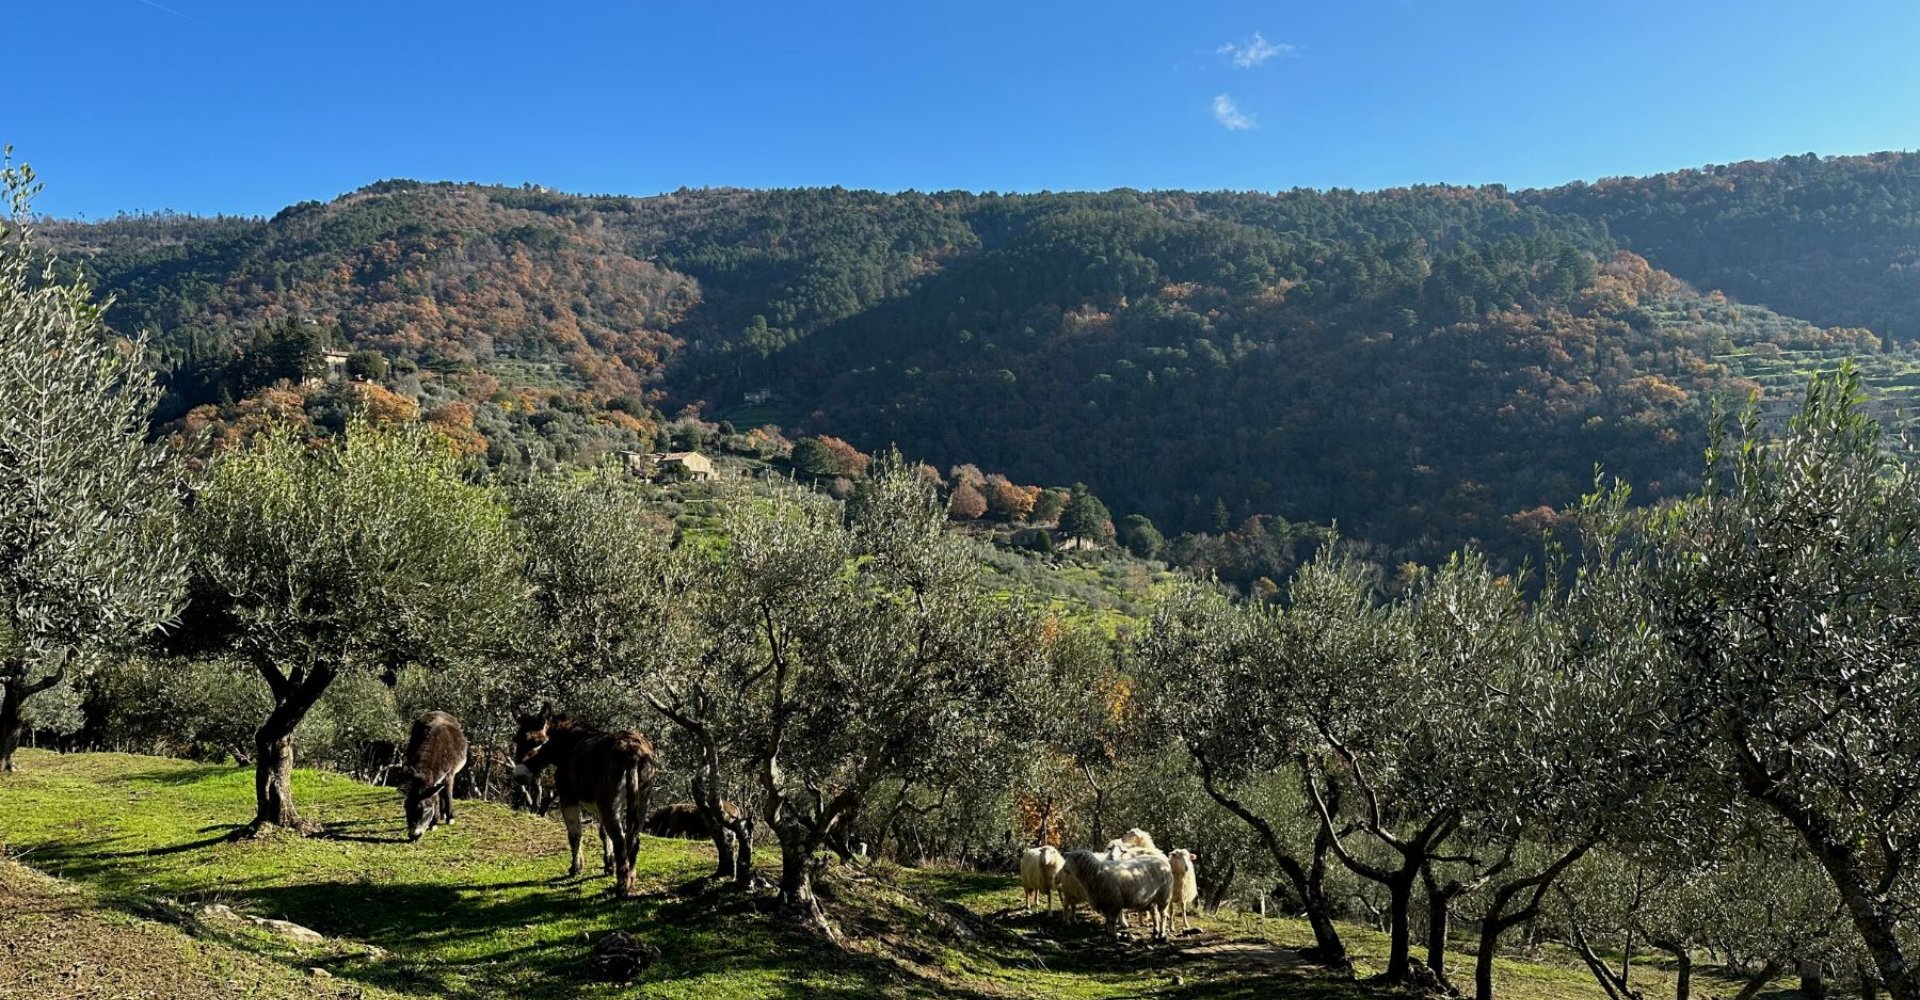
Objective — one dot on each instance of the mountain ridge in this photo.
(1425, 364)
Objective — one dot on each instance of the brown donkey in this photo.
(610, 775)
(436, 751)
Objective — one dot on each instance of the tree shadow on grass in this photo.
(716, 933)
(532, 937)
(224, 834)
(350, 830)
(1202, 965)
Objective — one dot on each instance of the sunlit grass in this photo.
(482, 908)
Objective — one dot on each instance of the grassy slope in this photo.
(478, 909)
(58, 939)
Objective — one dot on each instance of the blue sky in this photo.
(244, 106)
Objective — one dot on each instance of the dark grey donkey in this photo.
(436, 752)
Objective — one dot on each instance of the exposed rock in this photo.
(222, 913)
(289, 930)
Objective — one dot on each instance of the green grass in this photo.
(477, 908)
(482, 908)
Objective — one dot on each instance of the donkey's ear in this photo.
(546, 710)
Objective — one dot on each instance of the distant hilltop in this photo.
(1428, 366)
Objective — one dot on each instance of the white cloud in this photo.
(1253, 51)
(1229, 115)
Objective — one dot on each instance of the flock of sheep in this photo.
(1130, 875)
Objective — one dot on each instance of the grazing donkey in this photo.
(683, 820)
(610, 775)
(436, 751)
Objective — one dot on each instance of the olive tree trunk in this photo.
(1307, 879)
(1873, 913)
(1504, 915)
(1682, 965)
(14, 692)
(294, 697)
(732, 838)
(11, 724)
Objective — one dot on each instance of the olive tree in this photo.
(1731, 884)
(1787, 588)
(371, 553)
(1092, 717)
(851, 644)
(90, 549)
(596, 565)
(1576, 746)
(1231, 684)
(1408, 725)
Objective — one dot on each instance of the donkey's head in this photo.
(422, 799)
(530, 743)
(423, 806)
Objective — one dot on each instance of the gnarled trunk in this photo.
(12, 725)
(796, 879)
(706, 797)
(15, 689)
(273, 780)
(1873, 915)
(1308, 880)
(1682, 965)
(743, 848)
(273, 742)
(724, 859)
(1399, 925)
(1502, 916)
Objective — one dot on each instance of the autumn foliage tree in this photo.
(1008, 501)
(966, 503)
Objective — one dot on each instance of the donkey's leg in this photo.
(613, 838)
(446, 799)
(570, 813)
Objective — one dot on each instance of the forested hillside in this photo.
(1835, 241)
(1426, 366)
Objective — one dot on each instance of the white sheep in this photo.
(1112, 886)
(1135, 843)
(1072, 894)
(1186, 885)
(1117, 849)
(1039, 870)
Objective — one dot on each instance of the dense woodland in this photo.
(1428, 367)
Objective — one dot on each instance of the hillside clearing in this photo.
(140, 844)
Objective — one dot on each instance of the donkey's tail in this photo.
(640, 777)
